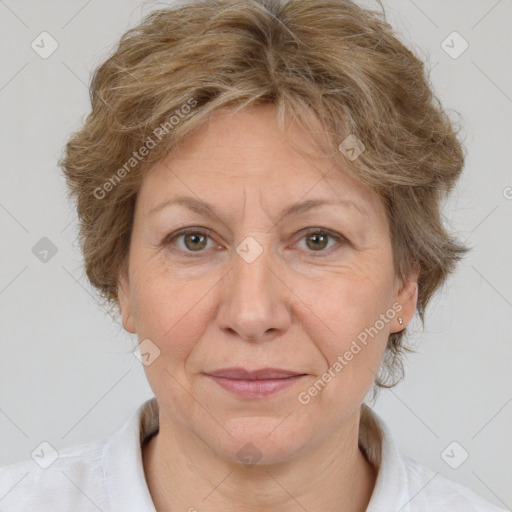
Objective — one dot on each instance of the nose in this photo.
(255, 303)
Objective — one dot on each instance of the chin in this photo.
(260, 441)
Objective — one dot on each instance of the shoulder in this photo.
(53, 481)
(407, 485)
(105, 474)
(428, 489)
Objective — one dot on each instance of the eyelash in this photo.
(340, 239)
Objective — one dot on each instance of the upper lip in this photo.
(260, 374)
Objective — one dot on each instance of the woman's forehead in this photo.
(235, 133)
(245, 153)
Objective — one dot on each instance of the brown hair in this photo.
(328, 58)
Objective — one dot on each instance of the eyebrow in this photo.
(204, 208)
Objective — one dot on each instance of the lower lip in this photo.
(256, 388)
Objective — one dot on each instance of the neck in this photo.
(184, 474)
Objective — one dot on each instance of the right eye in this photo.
(194, 240)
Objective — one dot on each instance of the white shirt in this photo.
(108, 475)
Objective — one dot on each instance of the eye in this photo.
(194, 240)
(317, 240)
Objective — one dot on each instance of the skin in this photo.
(297, 306)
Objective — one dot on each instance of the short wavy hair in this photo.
(330, 59)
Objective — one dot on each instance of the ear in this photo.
(125, 304)
(406, 300)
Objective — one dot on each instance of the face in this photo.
(250, 285)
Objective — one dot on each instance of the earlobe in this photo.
(123, 295)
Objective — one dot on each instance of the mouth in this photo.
(255, 383)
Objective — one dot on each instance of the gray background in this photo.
(67, 375)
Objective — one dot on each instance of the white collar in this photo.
(123, 468)
(378, 444)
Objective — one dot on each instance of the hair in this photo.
(330, 60)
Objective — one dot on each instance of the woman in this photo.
(259, 188)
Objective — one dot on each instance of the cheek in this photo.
(168, 310)
(344, 322)
(356, 312)
(354, 299)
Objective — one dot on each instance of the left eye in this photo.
(318, 240)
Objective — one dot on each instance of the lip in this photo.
(255, 383)
(259, 374)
